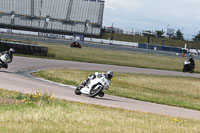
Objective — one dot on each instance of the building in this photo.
(114, 30)
(57, 16)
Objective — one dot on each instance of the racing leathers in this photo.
(192, 62)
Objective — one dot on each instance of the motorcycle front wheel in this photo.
(78, 90)
(95, 91)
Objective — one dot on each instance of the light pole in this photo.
(162, 43)
(47, 19)
(112, 32)
(87, 22)
(132, 34)
(12, 17)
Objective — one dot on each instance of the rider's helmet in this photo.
(109, 75)
(190, 57)
(11, 50)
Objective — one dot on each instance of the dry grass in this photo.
(62, 116)
(9, 101)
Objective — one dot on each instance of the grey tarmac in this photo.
(17, 78)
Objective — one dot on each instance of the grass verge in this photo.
(120, 58)
(175, 91)
(62, 116)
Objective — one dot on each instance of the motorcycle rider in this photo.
(191, 60)
(10, 54)
(108, 76)
(75, 43)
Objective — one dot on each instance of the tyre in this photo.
(184, 70)
(191, 71)
(95, 91)
(101, 94)
(78, 90)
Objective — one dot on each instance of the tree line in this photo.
(178, 35)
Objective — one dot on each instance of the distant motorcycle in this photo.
(75, 44)
(188, 67)
(94, 87)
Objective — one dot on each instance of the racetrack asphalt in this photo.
(18, 78)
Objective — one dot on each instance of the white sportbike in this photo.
(93, 87)
(4, 58)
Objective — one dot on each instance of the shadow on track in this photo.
(105, 99)
(109, 99)
(1, 71)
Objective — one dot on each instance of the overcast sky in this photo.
(154, 15)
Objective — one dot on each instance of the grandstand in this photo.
(57, 16)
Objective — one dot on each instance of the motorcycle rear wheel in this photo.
(184, 70)
(191, 71)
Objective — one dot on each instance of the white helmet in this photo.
(11, 50)
(109, 75)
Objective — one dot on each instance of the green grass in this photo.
(62, 116)
(175, 91)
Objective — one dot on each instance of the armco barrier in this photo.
(24, 48)
(159, 47)
(144, 46)
(172, 49)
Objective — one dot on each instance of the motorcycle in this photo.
(4, 58)
(188, 67)
(94, 87)
(75, 45)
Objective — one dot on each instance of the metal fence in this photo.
(77, 16)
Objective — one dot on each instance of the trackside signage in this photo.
(51, 35)
(41, 34)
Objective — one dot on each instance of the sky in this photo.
(154, 15)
